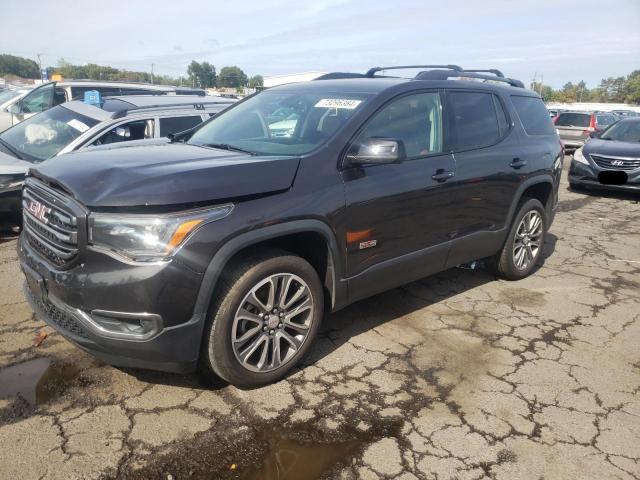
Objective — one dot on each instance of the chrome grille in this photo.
(50, 228)
(616, 163)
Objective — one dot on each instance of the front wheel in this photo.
(269, 310)
(524, 244)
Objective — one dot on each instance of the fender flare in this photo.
(545, 178)
(334, 269)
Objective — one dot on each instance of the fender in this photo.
(544, 178)
(336, 287)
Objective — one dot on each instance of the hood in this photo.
(163, 175)
(596, 146)
(10, 165)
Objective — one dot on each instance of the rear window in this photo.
(605, 120)
(533, 115)
(476, 121)
(178, 124)
(573, 120)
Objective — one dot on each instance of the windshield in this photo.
(273, 123)
(44, 135)
(8, 95)
(623, 132)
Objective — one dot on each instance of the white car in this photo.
(7, 99)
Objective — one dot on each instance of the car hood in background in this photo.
(10, 165)
(611, 147)
(164, 175)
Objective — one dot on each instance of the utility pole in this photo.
(39, 63)
(152, 74)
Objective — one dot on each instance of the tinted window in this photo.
(503, 123)
(414, 119)
(533, 115)
(39, 100)
(178, 124)
(605, 120)
(475, 119)
(572, 119)
(78, 92)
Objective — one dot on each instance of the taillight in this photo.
(592, 124)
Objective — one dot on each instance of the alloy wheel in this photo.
(272, 322)
(526, 244)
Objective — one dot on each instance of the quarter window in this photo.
(474, 118)
(416, 120)
(533, 115)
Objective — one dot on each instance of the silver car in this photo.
(76, 125)
(575, 127)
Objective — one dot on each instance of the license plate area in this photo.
(613, 177)
(36, 283)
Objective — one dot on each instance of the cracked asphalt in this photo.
(457, 376)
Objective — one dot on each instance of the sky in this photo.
(557, 40)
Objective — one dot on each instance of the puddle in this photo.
(36, 381)
(289, 459)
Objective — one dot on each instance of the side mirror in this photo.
(378, 151)
(16, 108)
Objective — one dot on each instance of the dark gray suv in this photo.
(225, 248)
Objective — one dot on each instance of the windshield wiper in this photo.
(11, 149)
(230, 148)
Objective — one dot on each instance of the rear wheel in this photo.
(269, 311)
(524, 244)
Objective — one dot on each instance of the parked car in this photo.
(8, 97)
(225, 247)
(75, 125)
(575, 127)
(610, 159)
(50, 94)
(625, 113)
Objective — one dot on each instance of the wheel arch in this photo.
(286, 236)
(540, 188)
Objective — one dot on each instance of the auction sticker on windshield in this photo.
(347, 103)
(78, 125)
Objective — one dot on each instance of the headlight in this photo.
(578, 156)
(147, 238)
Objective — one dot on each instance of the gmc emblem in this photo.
(39, 211)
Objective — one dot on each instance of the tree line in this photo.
(624, 89)
(202, 75)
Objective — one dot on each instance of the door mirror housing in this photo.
(124, 132)
(16, 108)
(379, 151)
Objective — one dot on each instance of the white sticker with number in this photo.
(78, 125)
(338, 103)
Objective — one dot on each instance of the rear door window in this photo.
(572, 119)
(475, 120)
(533, 115)
(178, 124)
(134, 130)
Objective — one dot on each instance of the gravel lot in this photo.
(458, 376)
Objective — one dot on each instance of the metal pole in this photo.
(152, 74)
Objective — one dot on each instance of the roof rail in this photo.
(174, 106)
(372, 71)
(339, 75)
(446, 74)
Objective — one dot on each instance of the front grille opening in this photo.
(51, 229)
(63, 320)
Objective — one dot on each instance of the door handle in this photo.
(518, 163)
(442, 175)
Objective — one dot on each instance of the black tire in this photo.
(504, 262)
(217, 355)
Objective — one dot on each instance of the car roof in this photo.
(120, 106)
(376, 85)
(114, 83)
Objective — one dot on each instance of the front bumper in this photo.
(71, 299)
(587, 176)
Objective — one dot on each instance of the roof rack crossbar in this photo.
(372, 71)
(496, 72)
(446, 74)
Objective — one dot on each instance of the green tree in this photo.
(19, 66)
(232, 77)
(255, 81)
(202, 75)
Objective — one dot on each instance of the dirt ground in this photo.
(458, 376)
